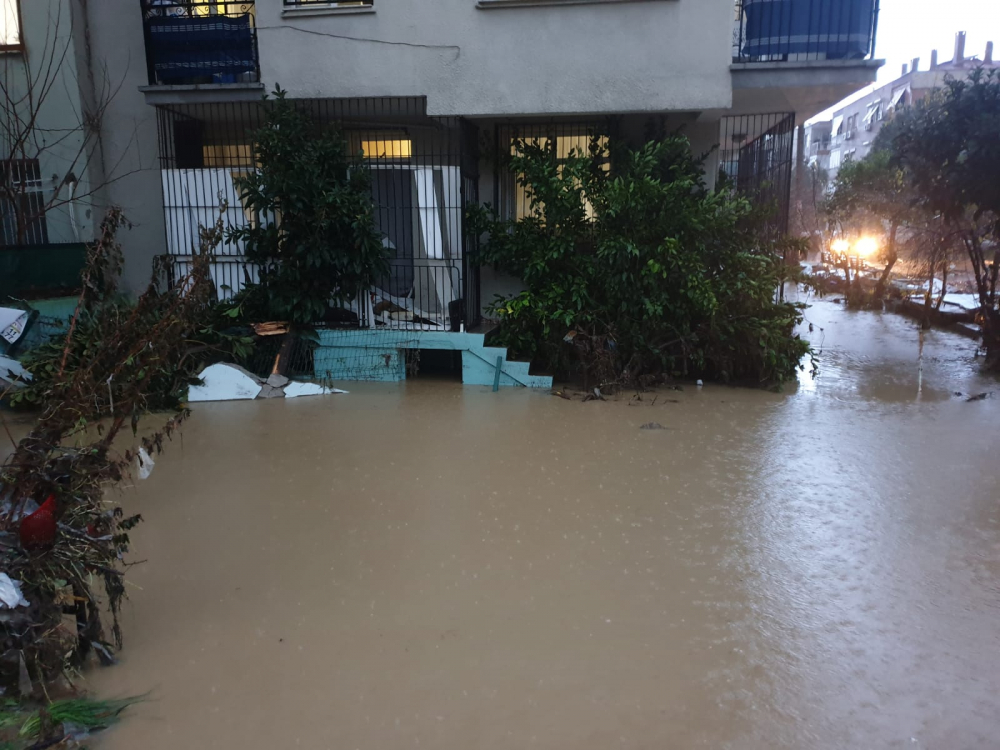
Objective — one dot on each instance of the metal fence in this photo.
(790, 30)
(424, 173)
(200, 41)
(22, 209)
(756, 153)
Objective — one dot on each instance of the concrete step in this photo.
(479, 368)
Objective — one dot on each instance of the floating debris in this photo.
(979, 396)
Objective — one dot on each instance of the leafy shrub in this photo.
(649, 273)
(312, 231)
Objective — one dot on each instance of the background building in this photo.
(854, 126)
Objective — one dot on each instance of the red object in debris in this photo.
(38, 531)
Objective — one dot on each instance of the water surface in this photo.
(427, 565)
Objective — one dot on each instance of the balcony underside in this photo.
(805, 88)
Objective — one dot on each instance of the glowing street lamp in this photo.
(866, 247)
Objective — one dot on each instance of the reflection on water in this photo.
(437, 566)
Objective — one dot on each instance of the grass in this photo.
(21, 724)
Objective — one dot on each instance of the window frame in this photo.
(19, 47)
(512, 199)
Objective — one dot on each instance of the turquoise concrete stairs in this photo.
(479, 366)
(376, 355)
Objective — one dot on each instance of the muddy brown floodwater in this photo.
(434, 566)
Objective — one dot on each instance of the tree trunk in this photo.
(944, 284)
(991, 339)
(891, 258)
(929, 297)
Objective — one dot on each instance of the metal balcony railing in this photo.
(819, 147)
(200, 41)
(803, 30)
(327, 3)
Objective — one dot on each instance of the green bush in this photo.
(167, 381)
(648, 273)
(312, 231)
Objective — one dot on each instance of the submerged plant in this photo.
(23, 726)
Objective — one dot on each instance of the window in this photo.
(387, 147)
(22, 205)
(233, 155)
(10, 26)
(835, 159)
(564, 140)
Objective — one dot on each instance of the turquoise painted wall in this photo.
(378, 355)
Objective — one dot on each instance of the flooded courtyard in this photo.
(427, 565)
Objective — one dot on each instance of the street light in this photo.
(866, 247)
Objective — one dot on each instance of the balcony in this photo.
(801, 56)
(819, 148)
(198, 42)
(804, 30)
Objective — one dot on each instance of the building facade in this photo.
(427, 93)
(50, 168)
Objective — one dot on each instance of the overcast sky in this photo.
(912, 28)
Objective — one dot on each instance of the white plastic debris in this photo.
(225, 382)
(10, 593)
(12, 371)
(700, 383)
(295, 389)
(145, 462)
(12, 323)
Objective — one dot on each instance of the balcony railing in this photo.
(328, 3)
(819, 147)
(803, 30)
(200, 41)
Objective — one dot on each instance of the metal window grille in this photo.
(755, 158)
(22, 207)
(790, 30)
(424, 172)
(200, 41)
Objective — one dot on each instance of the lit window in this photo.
(228, 155)
(577, 145)
(10, 25)
(375, 148)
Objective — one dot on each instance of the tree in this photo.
(643, 268)
(312, 231)
(949, 147)
(874, 190)
(808, 218)
(51, 114)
